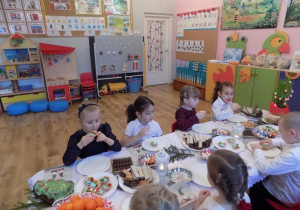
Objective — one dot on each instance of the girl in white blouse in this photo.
(227, 173)
(223, 107)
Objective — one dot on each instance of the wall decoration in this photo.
(117, 7)
(36, 28)
(292, 18)
(31, 5)
(1, 16)
(276, 43)
(245, 74)
(3, 29)
(103, 69)
(60, 4)
(112, 68)
(191, 46)
(232, 55)
(15, 16)
(124, 67)
(90, 7)
(119, 23)
(56, 25)
(232, 41)
(17, 28)
(197, 20)
(224, 76)
(256, 14)
(130, 57)
(296, 61)
(34, 16)
(9, 4)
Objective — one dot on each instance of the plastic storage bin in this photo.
(134, 86)
(25, 87)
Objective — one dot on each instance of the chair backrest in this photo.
(86, 77)
(278, 206)
(175, 126)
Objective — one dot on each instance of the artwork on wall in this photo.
(15, 16)
(1, 16)
(292, 18)
(34, 16)
(3, 28)
(118, 23)
(18, 28)
(117, 7)
(36, 28)
(9, 4)
(241, 14)
(197, 20)
(89, 7)
(295, 65)
(60, 4)
(191, 46)
(31, 5)
(232, 55)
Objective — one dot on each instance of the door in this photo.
(158, 42)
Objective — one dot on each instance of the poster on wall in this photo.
(118, 23)
(9, 4)
(244, 14)
(56, 25)
(198, 20)
(15, 16)
(295, 65)
(36, 28)
(34, 16)
(60, 4)
(89, 7)
(3, 28)
(17, 27)
(190, 46)
(31, 5)
(232, 55)
(292, 18)
(117, 7)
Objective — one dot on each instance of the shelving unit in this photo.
(23, 70)
(179, 83)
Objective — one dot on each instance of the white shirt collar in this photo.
(220, 100)
(140, 124)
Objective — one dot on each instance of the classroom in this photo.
(150, 104)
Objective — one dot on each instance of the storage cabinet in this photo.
(254, 85)
(178, 84)
(217, 72)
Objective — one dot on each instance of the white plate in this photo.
(112, 179)
(126, 203)
(132, 190)
(228, 146)
(203, 128)
(200, 174)
(275, 127)
(237, 118)
(273, 152)
(93, 164)
(161, 144)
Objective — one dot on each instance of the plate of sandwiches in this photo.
(195, 141)
(229, 143)
(136, 176)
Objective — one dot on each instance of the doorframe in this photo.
(169, 32)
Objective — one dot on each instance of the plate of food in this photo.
(248, 134)
(229, 143)
(196, 142)
(178, 173)
(249, 125)
(237, 118)
(99, 200)
(154, 144)
(101, 183)
(147, 159)
(129, 182)
(204, 128)
(272, 129)
(272, 152)
(200, 174)
(93, 164)
(205, 153)
(220, 132)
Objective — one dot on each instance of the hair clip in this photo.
(218, 178)
(80, 109)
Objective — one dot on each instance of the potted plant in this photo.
(282, 94)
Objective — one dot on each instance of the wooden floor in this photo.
(35, 141)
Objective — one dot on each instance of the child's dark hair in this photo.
(188, 92)
(140, 104)
(228, 171)
(219, 87)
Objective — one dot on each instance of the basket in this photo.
(134, 86)
(25, 87)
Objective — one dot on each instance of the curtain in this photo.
(155, 45)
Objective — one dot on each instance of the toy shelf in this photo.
(34, 90)
(19, 78)
(76, 97)
(19, 63)
(179, 83)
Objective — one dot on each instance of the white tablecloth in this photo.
(119, 196)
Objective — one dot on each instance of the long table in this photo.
(174, 138)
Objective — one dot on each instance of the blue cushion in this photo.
(38, 106)
(58, 106)
(17, 108)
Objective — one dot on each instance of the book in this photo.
(11, 72)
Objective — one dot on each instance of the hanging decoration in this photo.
(50, 63)
(68, 59)
(55, 60)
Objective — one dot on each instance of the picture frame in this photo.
(34, 16)
(295, 65)
(15, 16)
(232, 55)
(8, 4)
(88, 7)
(18, 27)
(31, 4)
(36, 28)
(3, 29)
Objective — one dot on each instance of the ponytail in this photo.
(140, 104)
(130, 112)
(215, 95)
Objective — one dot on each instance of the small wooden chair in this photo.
(278, 206)
(174, 126)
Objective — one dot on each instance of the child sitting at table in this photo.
(282, 185)
(186, 115)
(153, 196)
(227, 173)
(93, 138)
(140, 122)
(223, 107)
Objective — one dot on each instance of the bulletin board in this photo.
(207, 38)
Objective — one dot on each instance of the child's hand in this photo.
(235, 106)
(85, 140)
(203, 194)
(201, 114)
(100, 137)
(143, 132)
(266, 142)
(255, 146)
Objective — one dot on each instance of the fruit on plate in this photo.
(222, 144)
(265, 146)
(236, 146)
(230, 140)
(153, 143)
